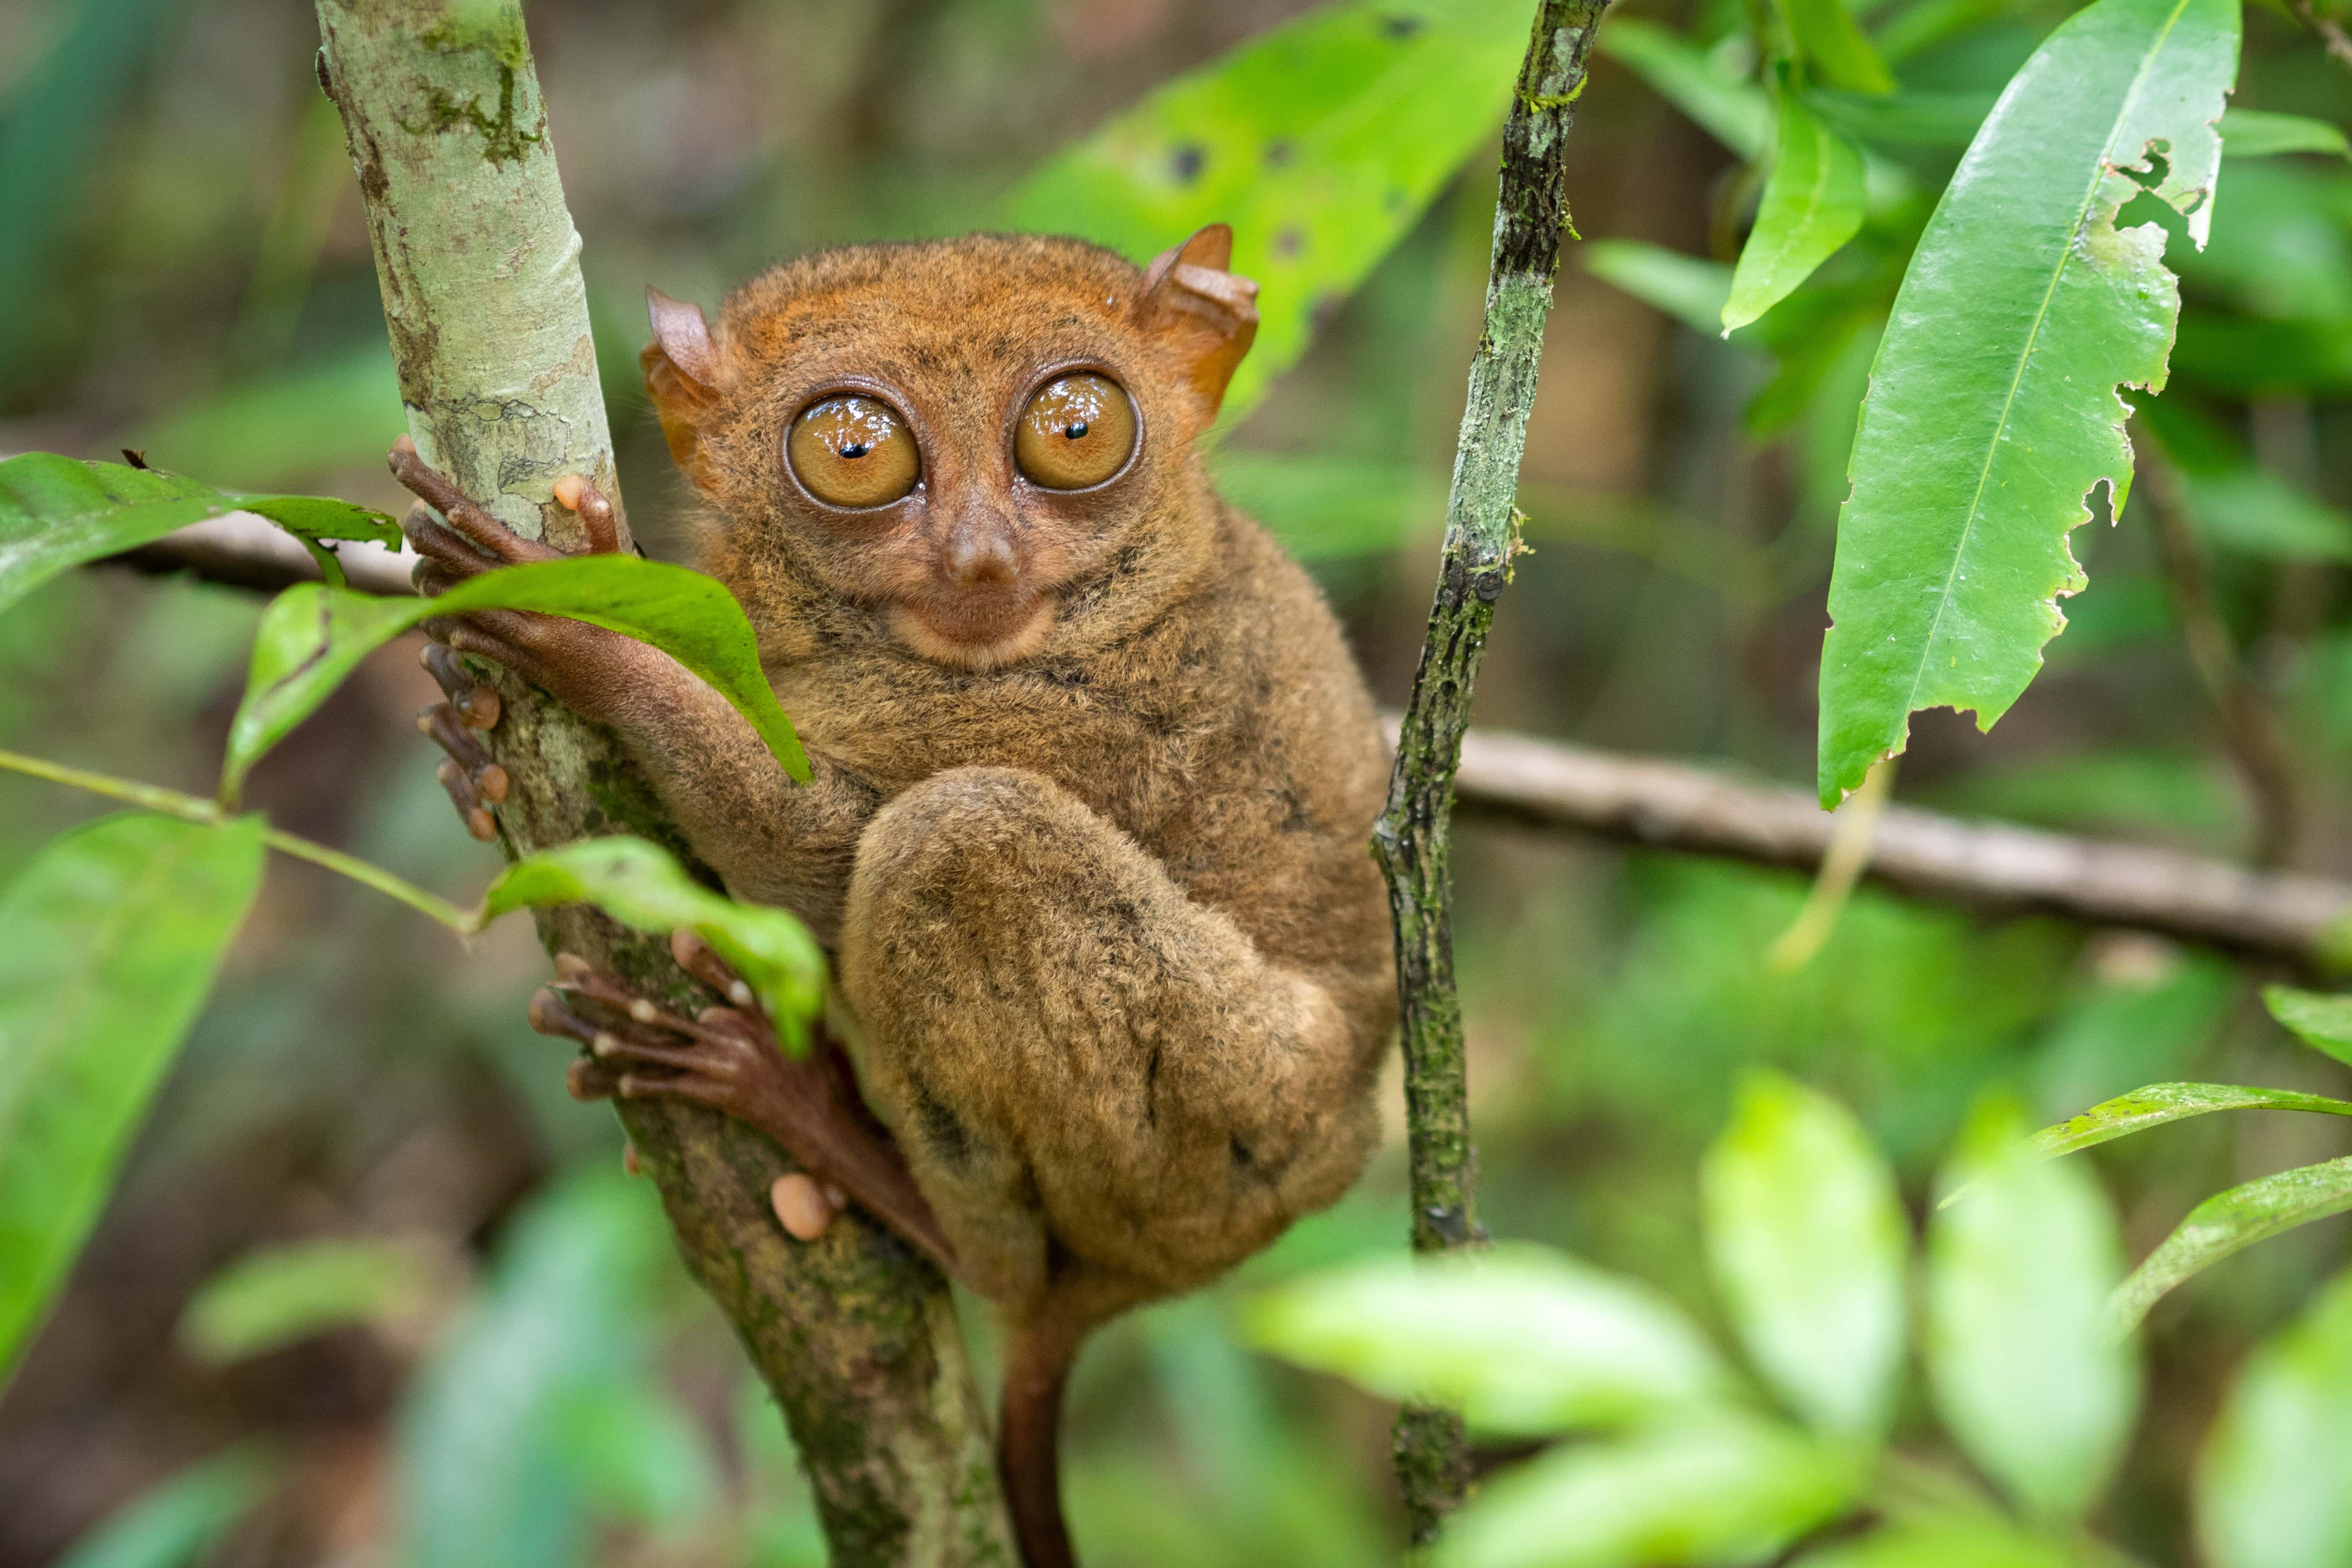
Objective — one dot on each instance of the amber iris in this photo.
(853, 452)
(1077, 431)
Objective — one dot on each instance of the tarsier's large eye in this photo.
(1077, 431)
(853, 451)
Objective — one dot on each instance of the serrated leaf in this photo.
(2322, 1022)
(1729, 1489)
(57, 513)
(2274, 1483)
(178, 1524)
(2161, 1102)
(1723, 102)
(2025, 1369)
(1813, 203)
(2258, 133)
(1992, 411)
(1829, 40)
(277, 1296)
(643, 887)
(1522, 1339)
(1811, 1251)
(312, 637)
(108, 941)
(1686, 287)
(2230, 1221)
(1322, 142)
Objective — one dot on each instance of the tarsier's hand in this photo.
(581, 664)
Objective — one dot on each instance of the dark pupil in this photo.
(856, 450)
(1075, 432)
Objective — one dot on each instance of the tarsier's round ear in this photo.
(681, 366)
(1205, 316)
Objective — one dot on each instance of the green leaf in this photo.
(108, 941)
(1730, 1490)
(1707, 88)
(1522, 1339)
(2161, 1102)
(1904, 118)
(311, 637)
(57, 513)
(2275, 1484)
(1956, 1542)
(1322, 142)
(2025, 1369)
(178, 1524)
(2257, 133)
(1826, 33)
(2322, 1022)
(1812, 1251)
(1693, 291)
(2230, 1221)
(1813, 205)
(639, 884)
(277, 1296)
(2234, 501)
(1992, 410)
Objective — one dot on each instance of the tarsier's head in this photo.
(971, 447)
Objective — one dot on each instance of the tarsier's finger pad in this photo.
(471, 809)
(802, 1207)
(575, 494)
(585, 1079)
(697, 957)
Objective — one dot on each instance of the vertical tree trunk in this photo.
(1412, 836)
(480, 267)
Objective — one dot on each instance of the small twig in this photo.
(2249, 728)
(1481, 536)
(2331, 32)
(1842, 865)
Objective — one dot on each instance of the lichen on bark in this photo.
(479, 263)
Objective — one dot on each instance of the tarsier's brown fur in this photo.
(1094, 777)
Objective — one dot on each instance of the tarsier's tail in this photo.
(1028, 1440)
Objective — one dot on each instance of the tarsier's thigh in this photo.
(1077, 1058)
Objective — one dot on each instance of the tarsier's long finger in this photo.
(588, 1080)
(574, 493)
(697, 957)
(436, 546)
(460, 634)
(441, 723)
(476, 707)
(471, 809)
(575, 977)
(478, 528)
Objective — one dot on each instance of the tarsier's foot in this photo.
(728, 1058)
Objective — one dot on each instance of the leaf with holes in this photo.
(1322, 142)
(108, 942)
(57, 513)
(311, 638)
(1993, 412)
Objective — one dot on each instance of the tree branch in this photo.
(1481, 537)
(480, 267)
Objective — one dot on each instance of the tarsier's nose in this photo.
(979, 550)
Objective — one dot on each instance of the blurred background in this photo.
(374, 1290)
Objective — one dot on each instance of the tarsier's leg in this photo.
(1070, 1049)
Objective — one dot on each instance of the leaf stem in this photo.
(190, 808)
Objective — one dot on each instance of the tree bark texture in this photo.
(1481, 537)
(479, 263)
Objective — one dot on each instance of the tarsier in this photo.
(1093, 774)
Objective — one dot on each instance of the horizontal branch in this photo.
(1665, 806)
(1674, 806)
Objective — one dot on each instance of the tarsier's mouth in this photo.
(973, 632)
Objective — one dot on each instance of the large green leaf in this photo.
(2230, 1221)
(57, 513)
(1812, 1251)
(2025, 1368)
(108, 941)
(1320, 142)
(1992, 411)
(2322, 1022)
(311, 637)
(639, 884)
(2274, 1483)
(1813, 203)
(279, 1295)
(178, 1524)
(2161, 1102)
(1730, 1490)
(1522, 1339)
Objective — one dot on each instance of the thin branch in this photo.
(2303, 921)
(2249, 728)
(1481, 537)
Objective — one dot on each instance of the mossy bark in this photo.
(1481, 535)
(479, 263)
